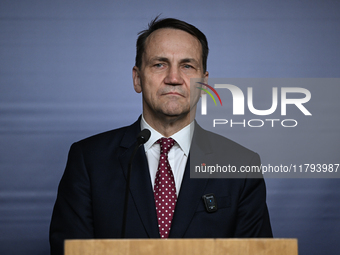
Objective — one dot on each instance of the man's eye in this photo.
(158, 65)
(188, 66)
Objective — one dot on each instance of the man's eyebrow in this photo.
(189, 60)
(162, 59)
(182, 61)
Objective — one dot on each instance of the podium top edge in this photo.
(183, 239)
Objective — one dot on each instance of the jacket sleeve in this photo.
(252, 215)
(72, 213)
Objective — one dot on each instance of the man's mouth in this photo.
(173, 93)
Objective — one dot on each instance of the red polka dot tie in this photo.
(165, 189)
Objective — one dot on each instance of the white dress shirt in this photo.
(177, 156)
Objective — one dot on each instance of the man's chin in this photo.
(176, 114)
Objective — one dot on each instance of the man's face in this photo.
(170, 59)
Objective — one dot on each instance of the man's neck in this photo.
(167, 126)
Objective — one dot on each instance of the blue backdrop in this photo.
(65, 74)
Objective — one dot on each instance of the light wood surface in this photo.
(181, 247)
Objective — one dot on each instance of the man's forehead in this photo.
(164, 32)
(171, 38)
(167, 30)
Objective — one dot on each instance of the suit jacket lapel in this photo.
(191, 189)
(140, 186)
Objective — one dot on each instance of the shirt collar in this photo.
(182, 137)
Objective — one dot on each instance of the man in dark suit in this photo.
(91, 197)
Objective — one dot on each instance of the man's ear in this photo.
(205, 80)
(206, 76)
(136, 79)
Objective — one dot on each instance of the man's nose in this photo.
(174, 76)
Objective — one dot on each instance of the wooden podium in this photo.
(181, 247)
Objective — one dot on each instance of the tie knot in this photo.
(166, 144)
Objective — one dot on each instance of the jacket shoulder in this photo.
(121, 136)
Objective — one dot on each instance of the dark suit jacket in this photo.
(90, 197)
